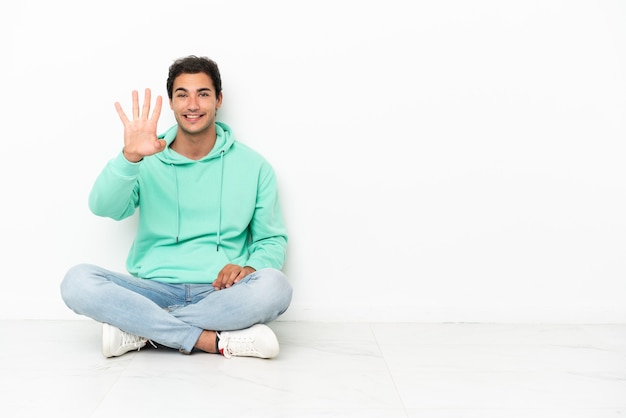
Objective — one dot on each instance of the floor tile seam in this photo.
(389, 372)
(541, 373)
(553, 346)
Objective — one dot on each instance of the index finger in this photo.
(217, 283)
(157, 109)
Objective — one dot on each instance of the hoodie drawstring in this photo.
(219, 211)
(177, 203)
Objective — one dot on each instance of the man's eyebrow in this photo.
(198, 90)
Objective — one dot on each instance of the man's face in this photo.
(194, 102)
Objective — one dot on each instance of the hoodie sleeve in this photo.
(268, 233)
(115, 193)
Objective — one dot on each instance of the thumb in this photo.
(160, 144)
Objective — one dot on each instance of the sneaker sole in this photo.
(106, 344)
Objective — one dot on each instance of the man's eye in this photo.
(204, 94)
(181, 95)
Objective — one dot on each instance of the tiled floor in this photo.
(54, 368)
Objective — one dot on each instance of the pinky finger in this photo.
(120, 112)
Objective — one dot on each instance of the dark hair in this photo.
(194, 65)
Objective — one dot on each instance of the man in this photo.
(205, 265)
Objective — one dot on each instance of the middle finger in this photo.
(135, 104)
(146, 104)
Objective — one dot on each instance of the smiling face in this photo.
(195, 103)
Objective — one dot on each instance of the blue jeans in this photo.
(174, 315)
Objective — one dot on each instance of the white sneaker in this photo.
(257, 341)
(116, 342)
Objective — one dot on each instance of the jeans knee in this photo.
(70, 285)
(283, 292)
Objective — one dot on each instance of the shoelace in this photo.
(135, 341)
(238, 346)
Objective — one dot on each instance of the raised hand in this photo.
(140, 133)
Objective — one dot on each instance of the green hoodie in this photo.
(195, 216)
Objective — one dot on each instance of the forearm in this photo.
(269, 252)
(112, 194)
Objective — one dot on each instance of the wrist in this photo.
(132, 157)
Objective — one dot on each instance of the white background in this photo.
(437, 160)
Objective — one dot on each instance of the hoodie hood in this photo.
(223, 143)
